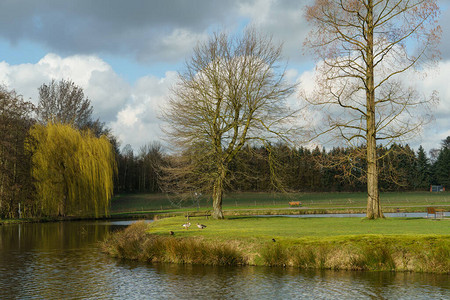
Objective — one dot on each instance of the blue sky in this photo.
(125, 54)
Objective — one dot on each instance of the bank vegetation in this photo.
(369, 252)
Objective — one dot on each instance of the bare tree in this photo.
(15, 157)
(64, 102)
(150, 158)
(232, 93)
(366, 49)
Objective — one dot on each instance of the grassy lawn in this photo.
(290, 230)
(248, 201)
(400, 244)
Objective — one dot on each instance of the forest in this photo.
(301, 169)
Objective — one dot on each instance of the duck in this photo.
(201, 226)
(187, 225)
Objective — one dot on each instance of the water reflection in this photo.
(187, 282)
(388, 215)
(63, 260)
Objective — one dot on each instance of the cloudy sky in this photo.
(126, 54)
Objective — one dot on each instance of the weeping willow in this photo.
(73, 171)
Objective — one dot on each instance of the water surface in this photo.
(63, 261)
(388, 215)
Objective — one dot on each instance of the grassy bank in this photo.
(251, 204)
(276, 202)
(327, 243)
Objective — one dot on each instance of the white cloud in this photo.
(284, 20)
(437, 79)
(138, 123)
(131, 111)
(106, 90)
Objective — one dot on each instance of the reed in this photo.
(136, 244)
(275, 255)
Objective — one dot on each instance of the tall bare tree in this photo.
(64, 102)
(231, 93)
(365, 49)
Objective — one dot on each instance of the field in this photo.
(293, 230)
(234, 203)
(397, 244)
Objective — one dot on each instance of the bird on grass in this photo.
(171, 232)
(187, 225)
(201, 226)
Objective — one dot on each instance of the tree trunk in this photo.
(373, 199)
(218, 194)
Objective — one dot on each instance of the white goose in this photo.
(201, 226)
(187, 225)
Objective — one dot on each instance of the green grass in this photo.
(321, 243)
(410, 201)
(293, 229)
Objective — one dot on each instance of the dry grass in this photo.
(135, 243)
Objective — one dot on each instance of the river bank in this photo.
(150, 215)
(304, 244)
(135, 216)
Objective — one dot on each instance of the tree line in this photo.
(300, 169)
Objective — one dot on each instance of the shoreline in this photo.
(426, 253)
(227, 212)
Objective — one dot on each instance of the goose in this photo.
(171, 232)
(201, 226)
(187, 225)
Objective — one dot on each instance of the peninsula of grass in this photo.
(400, 244)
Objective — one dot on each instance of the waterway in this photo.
(64, 261)
(388, 215)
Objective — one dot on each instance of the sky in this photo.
(126, 54)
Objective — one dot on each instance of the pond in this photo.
(387, 215)
(63, 261)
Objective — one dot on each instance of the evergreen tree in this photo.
(423, 170)
(442, 164)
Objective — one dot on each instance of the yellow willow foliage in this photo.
(73, 171)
